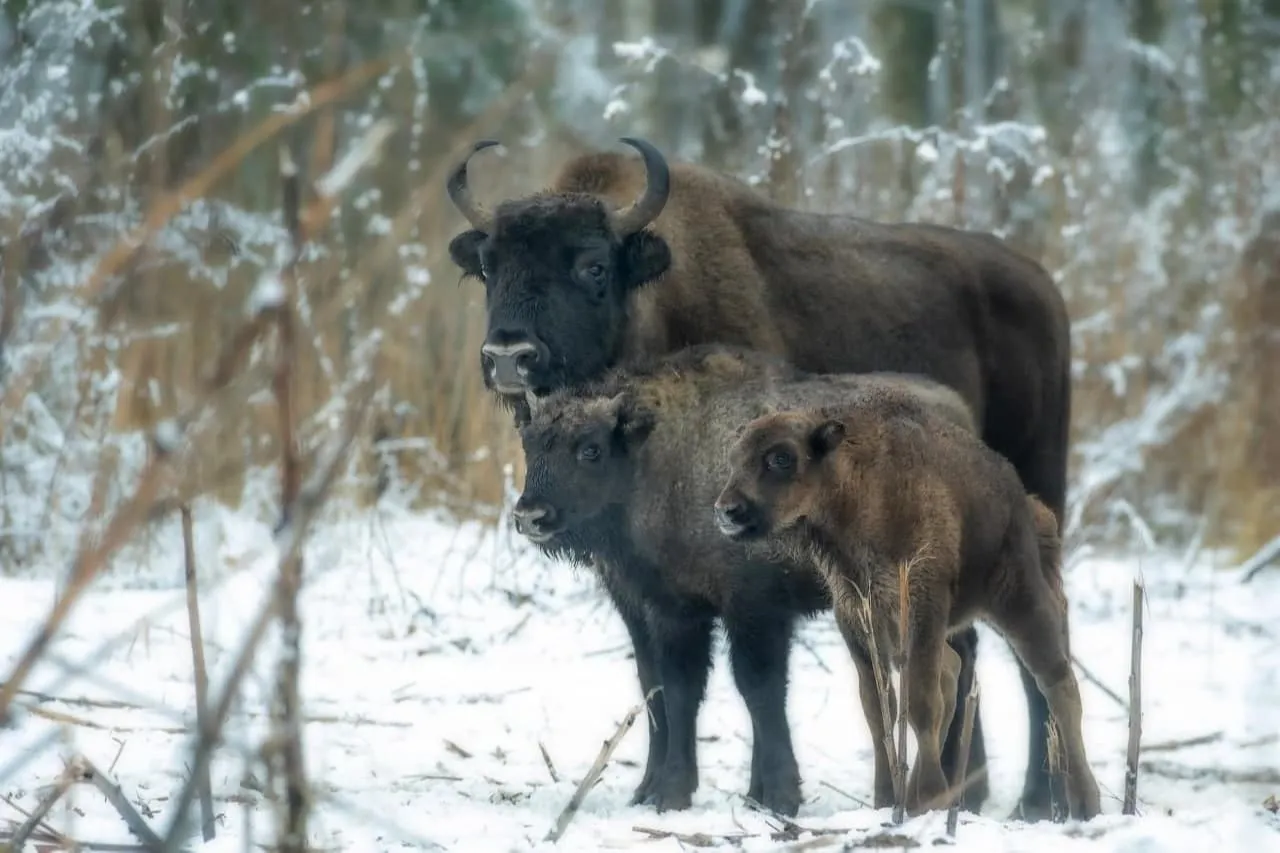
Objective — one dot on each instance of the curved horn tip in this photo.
(482, 144)
(657, 189)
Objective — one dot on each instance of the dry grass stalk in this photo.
(596, 770)
(292, 834)
(1057, 772)
(168, 205)
(904, 698)
(309, 501)
(207, 827)
(885, 691)
(962, 769)
(1135, 706)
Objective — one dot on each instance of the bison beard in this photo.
(622, 258)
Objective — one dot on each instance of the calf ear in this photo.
(645, 257)
(825, 438)
(635, 422)
(465, 251)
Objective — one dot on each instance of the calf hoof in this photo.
(926, 791)
(1086, 802)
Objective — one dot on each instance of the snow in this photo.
(438, 660)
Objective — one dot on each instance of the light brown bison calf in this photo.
(878, 485)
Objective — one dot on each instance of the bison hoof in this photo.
(780, 793)
(1033, 809)
(669, 798)
(643, 791)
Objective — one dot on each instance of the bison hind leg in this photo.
(1033, 618)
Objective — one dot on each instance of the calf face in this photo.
(577, 465)
(776, 473)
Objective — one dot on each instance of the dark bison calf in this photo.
(880, 485)
(621, 475)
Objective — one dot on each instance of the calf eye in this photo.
(596, 270)
(589, 452)
(779, 460)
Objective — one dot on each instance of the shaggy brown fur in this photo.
(880, 486)
(575, 283)
(621, 476)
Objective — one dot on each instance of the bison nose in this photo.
(734, 517)
(509, 363)
(534, 520)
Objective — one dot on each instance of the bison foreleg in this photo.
(759, 647)
(647, 671)
(681, 645)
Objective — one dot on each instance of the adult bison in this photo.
(622, 258)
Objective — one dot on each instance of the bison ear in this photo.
(826, 437)
(634, 421)
(645, 256)
(465, 252)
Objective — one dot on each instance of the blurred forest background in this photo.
(1132, 146)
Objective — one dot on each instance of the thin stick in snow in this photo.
(198, 665)
(1135, 706)
(596, 771)
(966, 742)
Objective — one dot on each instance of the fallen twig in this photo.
(34, 819)
(596, 770)
(1098, 683)
(139, 827)
(824, 783)
(1265, 556)
(72, 720)
(1135, 706)
(1171, 745)
(201, 673)
(546, 759)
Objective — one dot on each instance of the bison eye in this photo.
(589, 452)
(779, 460)
(596, 270)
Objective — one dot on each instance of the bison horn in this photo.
(629, 220)
(460, 193)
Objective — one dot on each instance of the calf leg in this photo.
(759, 648)
(1033, 621)
(869, 695)
(681, 644)
(927, 786)
(656, 714)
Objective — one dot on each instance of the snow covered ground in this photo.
(439, 662)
